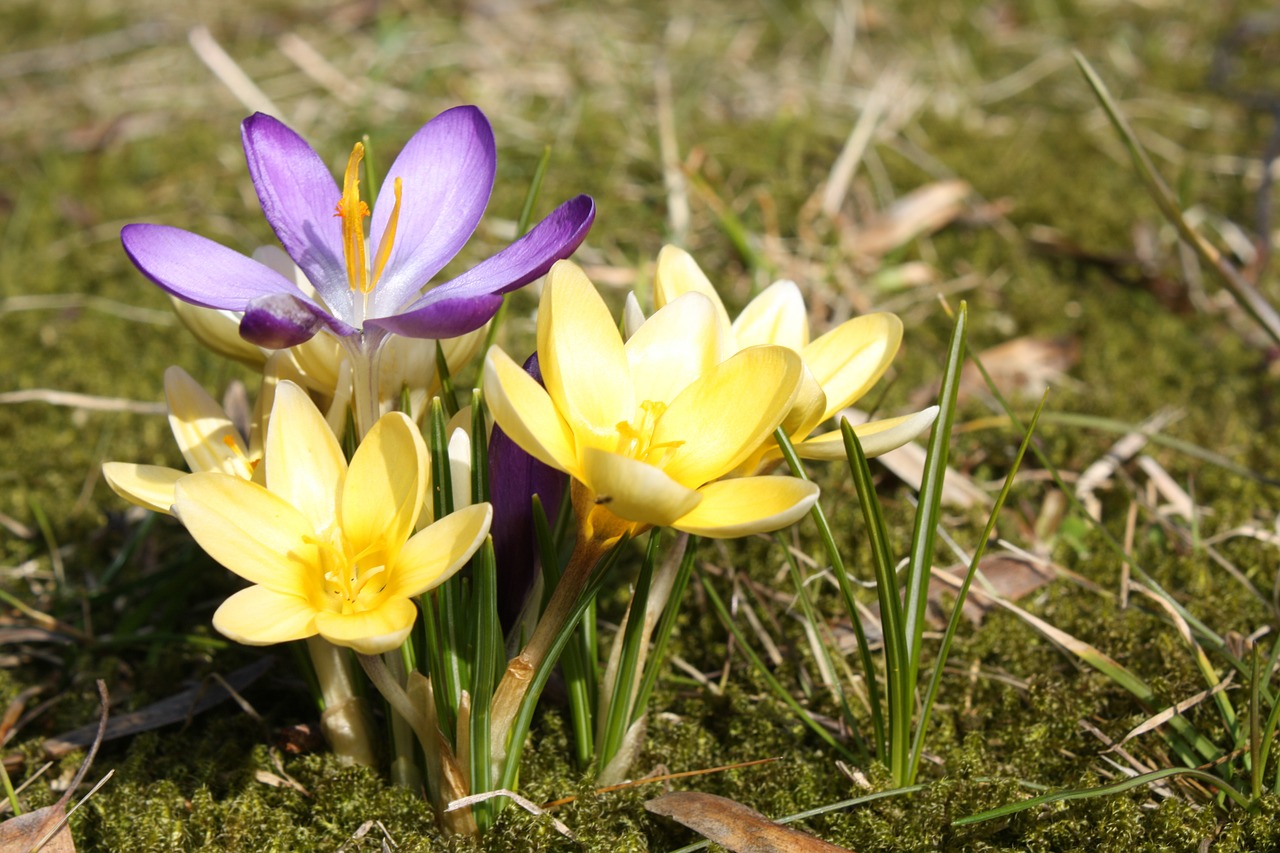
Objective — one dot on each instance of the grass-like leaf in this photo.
(1253, 302)
(1107, 790)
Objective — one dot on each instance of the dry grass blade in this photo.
(1122, 451)
(1168, 713)
(842, 171)
(88, 402)
(528, 805)
(230, 73)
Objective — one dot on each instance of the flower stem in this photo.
(345, 721)
(363, 351)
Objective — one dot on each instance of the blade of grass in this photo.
(573, 663)
(920, 560)
(820, 648)
(1106, 790)
(846, 596)
(944, 649)
(618, 716)
(821, 810)
(1252, 301)
(487, 655)
(898, 682)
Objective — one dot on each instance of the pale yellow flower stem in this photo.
(345, 722)
(364, 353)
(391, 689)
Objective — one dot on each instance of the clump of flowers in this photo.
(357, 506)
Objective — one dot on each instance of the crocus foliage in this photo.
(367, 286)
(329, 549)
(839, 367)
(648, 427)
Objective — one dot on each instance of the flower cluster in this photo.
(347, 523)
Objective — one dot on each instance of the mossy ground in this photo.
(102, 128)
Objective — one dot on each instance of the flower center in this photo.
(240, 458)
(353, 211)
(352, 582)
(635, 437)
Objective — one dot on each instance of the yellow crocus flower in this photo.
(648, 428)
(327, 546)
(208, 439)
(840, 366)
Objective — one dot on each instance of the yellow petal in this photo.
(672, 348)
(369, 632)
(852, 357)
(149, 486)
(746, 505)
(678, 273)
(776, 316)
(808, 408)
(206, 436)
(318, 363)
(634, 490)
(526, 414)
(876, 437)
(582, 359)
(219, 331)
(719, 420)
(385, 485)
(251, 531)
(305, 465)
(436, 552)
(258, 616)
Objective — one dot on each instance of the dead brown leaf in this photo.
(24, 833)
(1022, 367)
(1006, 575)
(47, 828)
(735, 826)
(921, 211)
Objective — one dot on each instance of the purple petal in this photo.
(442, 316)
(280, 320)
(515, 477)
(446, 173)
(299, 197)
(528, 258)
(198, 270)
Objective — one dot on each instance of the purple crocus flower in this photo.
(429, 204)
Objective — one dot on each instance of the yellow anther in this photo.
(353, 211)
(388, 238)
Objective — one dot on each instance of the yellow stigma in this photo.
(353, 211)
